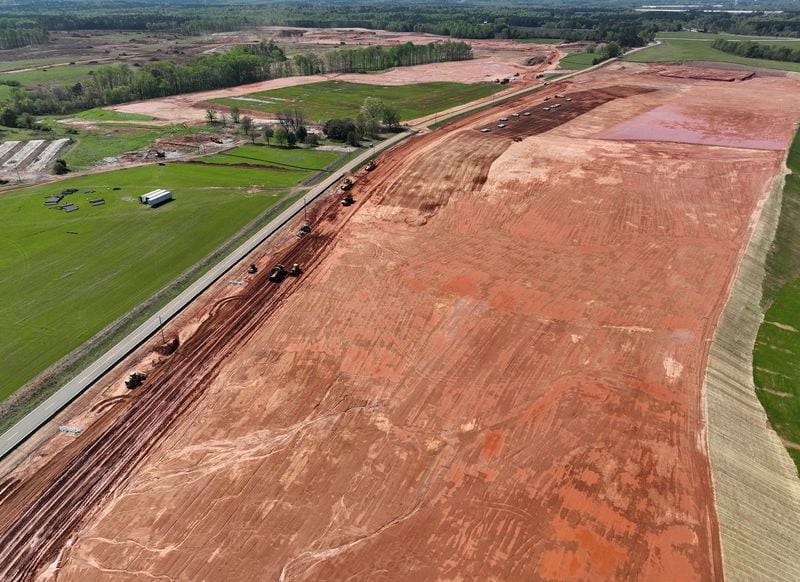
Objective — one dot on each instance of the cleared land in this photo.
(191, 108)
(331, 99)
(701, 50)
(491, 367)
(81, 270)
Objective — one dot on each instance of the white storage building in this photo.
(155, 197)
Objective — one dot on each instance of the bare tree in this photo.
(291, 119)
(247, 127)
(234, 114)
(211, 116)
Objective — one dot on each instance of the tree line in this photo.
(11, 38)
(757, 50)
(462, 21)
(114, 84)
(377, 58)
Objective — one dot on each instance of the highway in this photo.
(72, 389)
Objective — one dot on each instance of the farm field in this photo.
(492, 363)
(701, 50)
(330, 99)
(81, 270)
(776, 356)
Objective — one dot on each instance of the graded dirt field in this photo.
(491, 367)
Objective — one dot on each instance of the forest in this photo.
(242, 64)
(757, 50)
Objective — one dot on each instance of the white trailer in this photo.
(160, 198)
(155, 197)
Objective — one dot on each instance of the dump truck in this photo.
(252, 268)
(134, 380)
(371, 165)
(295, 270)
(346, 184)
(278, 273)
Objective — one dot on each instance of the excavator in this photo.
(134, 380)
(252, 268)
(371, 165)
(278, 273)
(346, 184)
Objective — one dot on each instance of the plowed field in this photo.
(490, 369)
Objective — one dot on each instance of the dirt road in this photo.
(491, 367)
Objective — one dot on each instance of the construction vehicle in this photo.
(295, 270)
(134, 380)
(252, 268)
(348, 200)
(278, 273)
(371, 165)
(346, 184)
(304, 230)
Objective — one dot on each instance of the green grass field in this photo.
(99, 114)
(701, 50)
(260, 155)
(111, 141)
(540, 40)
(52, 76)
(776, 356)
(331, 99)
(576, 61)
(66, 276)
(709, 36)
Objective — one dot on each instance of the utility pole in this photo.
(161, 327)
(305, 212)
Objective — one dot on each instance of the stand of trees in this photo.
(757, 50)
(376, 58)
(11, 38)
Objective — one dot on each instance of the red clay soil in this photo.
(491, 368)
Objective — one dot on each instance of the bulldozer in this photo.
(346, 184)
(134, 380)
(252, 268)
(348, 200)
(304, 230)
(371, 165)
(295, 270)
(278, 273)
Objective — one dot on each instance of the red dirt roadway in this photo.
(491, 369)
